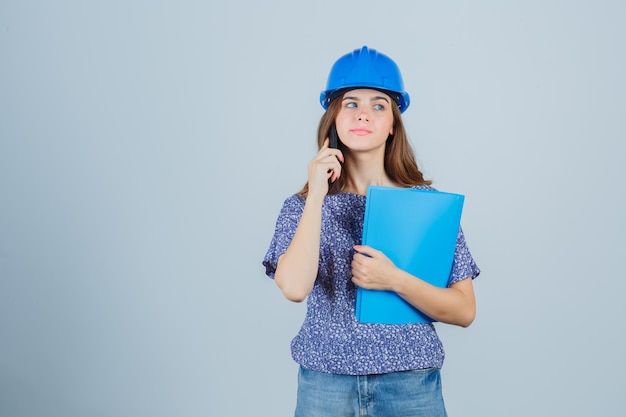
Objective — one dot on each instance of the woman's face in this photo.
(365, 119)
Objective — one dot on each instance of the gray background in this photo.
(146, 148)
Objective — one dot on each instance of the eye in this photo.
(351, 104)
(379, 107)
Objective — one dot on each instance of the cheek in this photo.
(389, 125)
(342, 116)
(341, 122)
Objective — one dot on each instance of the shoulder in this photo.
(293, 203)
(295, 199)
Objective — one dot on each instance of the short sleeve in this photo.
(286, 224)
(463, 265)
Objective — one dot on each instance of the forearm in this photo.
(297, 268)
(453, 305)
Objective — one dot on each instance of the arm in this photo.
(297, 268)
(453, 305)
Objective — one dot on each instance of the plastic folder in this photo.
(416, 229)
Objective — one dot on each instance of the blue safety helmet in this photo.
(365, 68)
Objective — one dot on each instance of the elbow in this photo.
(291, 292)
(463, 318)
(462, 311)
(292, 295)
(466, 319)
(466, 323)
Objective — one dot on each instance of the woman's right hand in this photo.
(297, 268)
(325, 166)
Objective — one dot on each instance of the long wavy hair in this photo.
(400, 164)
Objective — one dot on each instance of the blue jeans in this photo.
(398, 394)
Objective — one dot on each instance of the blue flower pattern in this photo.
(331, 339)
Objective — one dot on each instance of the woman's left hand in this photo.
(372, 270)
(455, 304)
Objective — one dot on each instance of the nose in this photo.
(363, 116)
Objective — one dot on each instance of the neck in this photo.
(365, 170)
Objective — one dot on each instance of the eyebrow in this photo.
(372, 99)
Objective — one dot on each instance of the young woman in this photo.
(349, 368)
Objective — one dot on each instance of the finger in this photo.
(355, 281)
(339, 156)
(336, 167)
(326, 153)
(324, 164)
(336, 153)
(355, 266)
(329, 163)
(336, 172)
(366, 250)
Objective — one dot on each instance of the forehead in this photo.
(366, 94)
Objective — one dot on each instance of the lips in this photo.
(361, 131)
